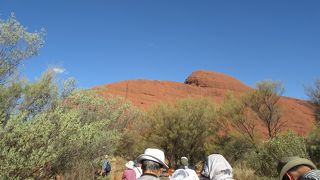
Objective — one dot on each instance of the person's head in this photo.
(153, 161)
(291, 168)
(184, 161)
(151, 167)
(106, 156)
(136, 164)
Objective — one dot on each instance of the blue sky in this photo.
(102, 41)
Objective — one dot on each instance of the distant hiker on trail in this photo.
(184, 172)
(129, 173)
(137, 169)
(184, 164)
(296, 168)
(153, 162)
(106, 166)
(217, 167)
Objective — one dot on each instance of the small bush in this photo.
(313, 142)
(265, 160)
(182, 128)
(244, 173)
(233, 147)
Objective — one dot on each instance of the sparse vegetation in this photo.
(182, 128)
(51, 128)
(47, 127)
(263, 101)
(314, 94)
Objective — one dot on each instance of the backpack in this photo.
(107, 167)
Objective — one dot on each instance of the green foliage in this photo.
(264, 162)
(131, 144)
(9, 96)
(40, 96)
(233, 147)
(94, 106)
(270, 87)
(235, 111)
(29, 98)
(314, 145)
(182, 128)
(246, 173)
(53, 141)
(264, 102)
(16, 44)
(47, 128)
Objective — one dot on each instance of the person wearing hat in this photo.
(153, 162)
(129, 173)
(296, 168)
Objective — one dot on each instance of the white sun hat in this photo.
(152, 154)
(130, 164)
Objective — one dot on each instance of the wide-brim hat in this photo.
(152, 154)
(290, 162)
(130, 164)
(184, 161)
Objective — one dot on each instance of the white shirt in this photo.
(184, 174)
(138, 171)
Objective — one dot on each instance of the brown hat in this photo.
(285, 164)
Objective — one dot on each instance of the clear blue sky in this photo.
(101, 41)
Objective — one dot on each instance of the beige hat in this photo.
(130, 164)
(287, 163)
(106, 156)
(184, 161)
(152, 154)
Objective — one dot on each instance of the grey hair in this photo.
(150, 165)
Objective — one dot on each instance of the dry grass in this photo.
(118, 166)
(85, 171)
(244, 173)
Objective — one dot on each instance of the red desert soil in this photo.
(145, 93)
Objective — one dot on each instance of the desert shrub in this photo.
(264, 101)
(232, 146)
(16, 45)
(52, 142)
(81, 170)
(46, 127)
(314, 96)
(265, 160)
(182, 128)
(244, 173)
(131, 144)
(313, 143)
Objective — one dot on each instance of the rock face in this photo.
(209, 79)
(145, 93)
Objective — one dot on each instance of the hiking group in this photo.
(152, 166)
